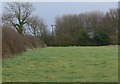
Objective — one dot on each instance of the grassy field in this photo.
(80, 64)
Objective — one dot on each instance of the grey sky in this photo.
(48, 11)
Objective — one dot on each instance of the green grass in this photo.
(80, 64)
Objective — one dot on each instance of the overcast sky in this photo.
(49, 10)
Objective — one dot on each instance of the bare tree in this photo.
(16, 14)
(112, 16)
(68, 27)
(36, 25)
(92, 20)
(111, 24)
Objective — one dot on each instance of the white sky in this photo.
(50, 10)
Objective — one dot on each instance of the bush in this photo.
(11, 42)
(31, 42)
(101, 38)
(83, 38)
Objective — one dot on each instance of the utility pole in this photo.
(52, 29)
(52, 34)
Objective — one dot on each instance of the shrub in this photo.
(101, 38)
(31, 42)
(11, 42)
(83, 38)
(26, 40)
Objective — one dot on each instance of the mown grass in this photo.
(75, 64)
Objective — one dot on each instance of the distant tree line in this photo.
(89, 28)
